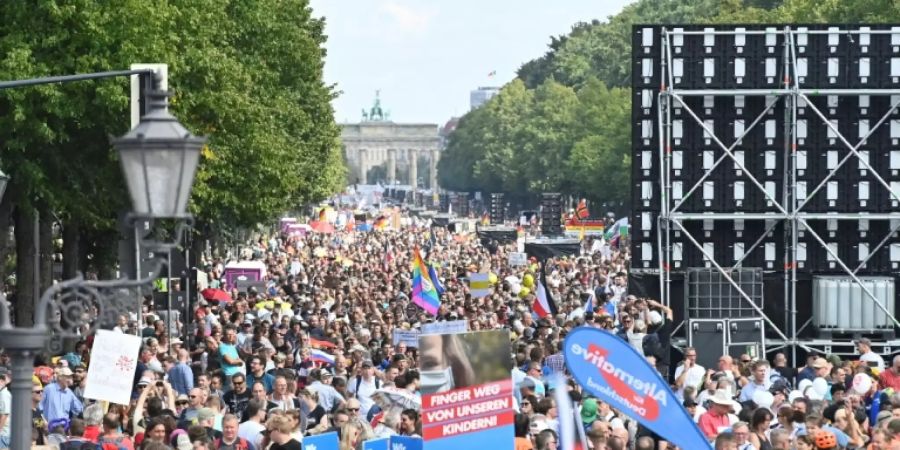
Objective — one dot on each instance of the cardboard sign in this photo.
(113, 362)
(408, 337)
(613, 372)
(517, 259)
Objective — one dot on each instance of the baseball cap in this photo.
(819, 363)
(64, 372)
(589, 410)
(367, 363)
(144, 381)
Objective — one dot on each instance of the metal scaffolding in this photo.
(789, 209)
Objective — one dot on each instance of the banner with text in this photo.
(446, 327)
(467, 390)
(113, 362)
(408, 337)
(611, 370)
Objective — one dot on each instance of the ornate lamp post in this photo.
(159, 159)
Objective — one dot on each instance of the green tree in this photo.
(249, 75)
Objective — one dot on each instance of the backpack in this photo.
(652, 346)
(242, 444)
(359, 381)
(117, 444)
(79, 445)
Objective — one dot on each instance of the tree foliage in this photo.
(564, 123)
(247, 74)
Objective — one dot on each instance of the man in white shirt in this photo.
(364, 385)
(866, 355)
(689, 373)
(252, 429)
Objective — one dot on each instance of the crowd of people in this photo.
(313, 352)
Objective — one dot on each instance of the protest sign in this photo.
(406, 443)
(479, 284)
(408, 337)
(518, 259)
(446, 327)
(467, 390)
(324, 441)
(611, 370)
(377, 444)
(113, 362)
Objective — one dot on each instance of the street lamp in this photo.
(159, 159)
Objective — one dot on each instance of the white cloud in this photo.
(408, 18)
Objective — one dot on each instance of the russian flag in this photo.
(319, 356)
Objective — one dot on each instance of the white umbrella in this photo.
(393, 398)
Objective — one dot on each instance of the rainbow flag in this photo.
(424, 293)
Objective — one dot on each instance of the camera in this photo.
(159, 384)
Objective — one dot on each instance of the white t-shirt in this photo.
(694, 378)
(363, 391)
(871, 356)
(5, 410)
(251, 432)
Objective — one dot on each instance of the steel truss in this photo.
(792, 212)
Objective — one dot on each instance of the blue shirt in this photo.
(59, 404)
(182, 378)
(230, 351)
(267, 380)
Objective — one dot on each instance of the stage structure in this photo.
(766, 183)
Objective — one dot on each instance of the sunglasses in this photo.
(37, 391)
(353, 409)
(192, 396)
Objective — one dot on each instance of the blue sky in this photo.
(426, 55)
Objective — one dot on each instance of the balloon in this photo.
(813, 395)
(524, 292)
(515, 288)
(794, 395)
(528, 280)
(862, 383)
(492, 277)
(820, 386)
(804, 384)
(763, 399)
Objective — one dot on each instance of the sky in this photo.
(425, 56)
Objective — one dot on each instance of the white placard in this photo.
(446, 327)
(517, 259)
(113, 362)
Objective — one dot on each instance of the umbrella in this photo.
(396, 399)
(321, 226)
(218, 295)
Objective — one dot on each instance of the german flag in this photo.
(322, 215)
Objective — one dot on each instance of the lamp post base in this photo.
(22, 345)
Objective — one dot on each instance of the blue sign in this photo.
(611, 370)
(406, 443)
(377, 444)
(324, 441)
